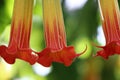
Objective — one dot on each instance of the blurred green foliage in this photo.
(81, 28)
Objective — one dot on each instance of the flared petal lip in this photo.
(65, 56)
(26, 54)
(109, 49)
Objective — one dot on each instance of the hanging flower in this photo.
(111, 27)
(20, 34)
(56, 49)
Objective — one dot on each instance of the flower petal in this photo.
(27, 55)
(7, 57)
(110, 49)
(65, 56)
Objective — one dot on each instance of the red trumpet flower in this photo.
(56, 49)
(20, 34)
(111, 27)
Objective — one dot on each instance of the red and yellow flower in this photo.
(111, 26)
(20, 34)
(56, 48)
